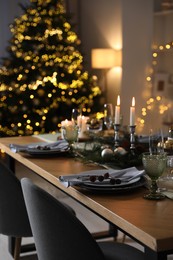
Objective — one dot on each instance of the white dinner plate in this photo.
(115, 189)
(107, 184)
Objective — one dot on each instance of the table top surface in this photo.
(150, 222)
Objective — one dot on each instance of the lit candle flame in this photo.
(133, 102)
(118, 100)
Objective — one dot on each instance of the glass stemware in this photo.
(154, 165)
(70, 134)
(166, 181)
(156, 141)
(108, 115)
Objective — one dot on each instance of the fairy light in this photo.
(149, 107)
(158, 98)
(148, 78)
(62, 85)
(168, 46)
(161, 47)
(155, 54)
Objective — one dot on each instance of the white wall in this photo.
(101, 24)
(127, 24)
(137, 39)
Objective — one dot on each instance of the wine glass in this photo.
(154, 165)
(70, 133)
(108, 115)
(156, 141)
(170, 166)
(166, 181)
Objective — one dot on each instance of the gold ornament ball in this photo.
(107, 153)
(168, 144)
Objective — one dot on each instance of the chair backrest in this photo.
(13, 215)
(58, 234)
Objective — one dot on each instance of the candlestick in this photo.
(117, 111)
(132, 113)
(132, 138)
(116, 128)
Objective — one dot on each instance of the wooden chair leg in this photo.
(111, 232)
(17, 248)
(123, 238)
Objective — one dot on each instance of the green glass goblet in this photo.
(70, 133)
(154, 166)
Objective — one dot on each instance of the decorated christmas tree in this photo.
(43, 77)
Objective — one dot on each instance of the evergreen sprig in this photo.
(114, 160)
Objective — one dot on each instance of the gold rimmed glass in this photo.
(154, 165)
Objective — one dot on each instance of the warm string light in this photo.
(53, 80)
(158, 101)
(151, 104)
(51, 63)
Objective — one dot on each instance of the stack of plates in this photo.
(123, 180)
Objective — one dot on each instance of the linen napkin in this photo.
(168, 194)
(61, 145)
(165, 185)
(124, 175)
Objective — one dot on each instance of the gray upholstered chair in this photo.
(58, 234)
(14, 220)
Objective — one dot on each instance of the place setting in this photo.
(42, 148)
(106, 180)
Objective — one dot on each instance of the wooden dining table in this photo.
(149, 222)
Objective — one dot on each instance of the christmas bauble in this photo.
(120, 151)
(106, 153)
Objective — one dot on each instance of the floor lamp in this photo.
(105, 59)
